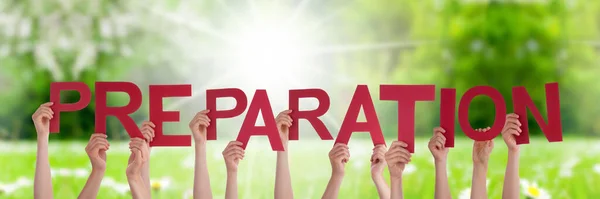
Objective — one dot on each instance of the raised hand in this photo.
(482, 149)
(232, 154)
(147, 130)
(512, 128)
(41, 119)
(397, 157)
(481, 155)
(96, 151)
(198, 126)
(284, 121)
(139, 151)
(283, 180)
(42, 184)
(338, 157)
(378, 163)
(437, 145)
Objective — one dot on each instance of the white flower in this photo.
(160, 184)
(566, 169)
(23, 182)
(189, 162)
(409, 168)
(597, 168)
(81, 173)
(12, 187)
(465, 194)
(121, 188)
(533, 191)
(8, 189)
(108, 181)
(63, 172)
(188, 194)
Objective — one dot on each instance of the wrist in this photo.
(513, 151)
(377, 178)
(395, 178)
(337, 175)
(134, 178)
(231, 173)
(98, 171)
(440, 162)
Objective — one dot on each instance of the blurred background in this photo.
(287, 44)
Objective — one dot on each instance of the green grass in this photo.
(541, 162)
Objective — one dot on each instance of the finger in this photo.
(340, 145)
(399, 144)
(337, 149)
(438, 130)
(205, 111)
(47, 109)
(148, 123)
(513, 126)
(47, 104)
(397, 160)
(512, 115)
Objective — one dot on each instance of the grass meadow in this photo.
(570, 169)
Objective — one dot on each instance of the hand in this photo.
(232, 154)
(338, 157)
(41, 119)
(437, 145)
(482, 149)
(397, 157)
(198, 126)
(96, 151)
(139, 153)
(284, 121)
(148, 131)
(378, 160)
(512, 128)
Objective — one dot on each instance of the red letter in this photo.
(448, 114)
(260, 103)
(361, 98)
(313, 115)
(122, 113)
(407, 95)
(55, 88)
(158, 116)
(522, 101)
(463, 112)
(211, 104)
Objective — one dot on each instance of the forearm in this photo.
(396, 189)
(333, 187)
(479, 184)
(90, 190)
(382, 187)
(442, 189)
(283, 180)
(42, 186)
(137, 187)
(511, 178)
(146, 173)
(231, 191)
(201, 177)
